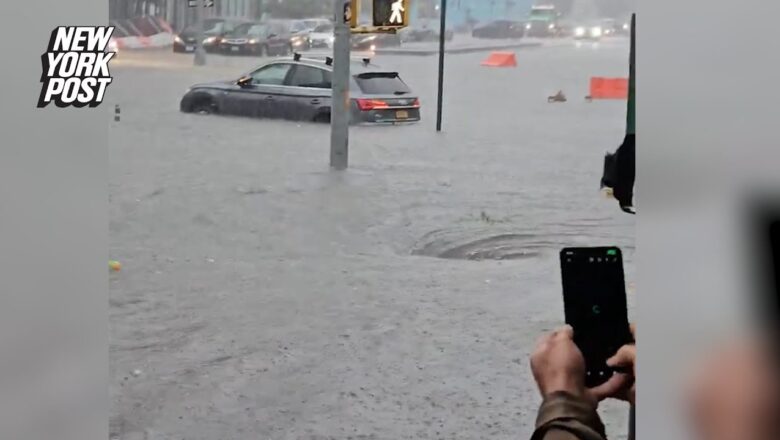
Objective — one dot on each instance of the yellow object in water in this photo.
(114, 265)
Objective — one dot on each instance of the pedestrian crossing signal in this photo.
(391, 13)
(351, 12)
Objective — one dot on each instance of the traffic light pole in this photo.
(442, 35)
(200, 52)
(339, 115)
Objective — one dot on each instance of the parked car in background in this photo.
(214, 29)
(322, 36)
(260, 39)
(499, 29)
(301, 90)
(423, 30)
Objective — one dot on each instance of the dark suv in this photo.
(214, 29)
(260, 39)
(301, 90)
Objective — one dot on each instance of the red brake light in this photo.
(371, 104)
(416, 103)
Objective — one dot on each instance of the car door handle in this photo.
(269, 98)
(315, 101)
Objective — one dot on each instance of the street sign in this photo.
(391, 13)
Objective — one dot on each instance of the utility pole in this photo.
(200, 52)
(339, 114)
(442, 34)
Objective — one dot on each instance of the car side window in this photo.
(327, 83)
(271, 75)
(312, 77)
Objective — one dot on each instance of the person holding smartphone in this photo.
(568, 410)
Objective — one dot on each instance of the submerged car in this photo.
(258, 39)
(499, 29)
(214, 29)
(300, 89)
(424, 31)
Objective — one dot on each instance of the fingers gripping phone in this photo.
(594, 298)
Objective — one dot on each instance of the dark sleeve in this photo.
(563, 416)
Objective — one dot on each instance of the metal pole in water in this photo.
(200, 52)
(442, 32)
(339, 114)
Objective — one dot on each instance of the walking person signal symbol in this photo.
(398, 8)
(391, 13)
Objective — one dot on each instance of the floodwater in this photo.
(263, 296)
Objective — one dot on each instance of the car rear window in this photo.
(381, 83)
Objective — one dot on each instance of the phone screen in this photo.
(774, 289)
(594, 297)
(764, 261)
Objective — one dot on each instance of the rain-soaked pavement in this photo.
(264, 297)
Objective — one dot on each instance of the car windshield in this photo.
(241, 30)
(297, 26)
(542, 14)
(381, 83)
(324, 28)
(258, 30)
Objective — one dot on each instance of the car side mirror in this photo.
(244, 81)
(271, 35)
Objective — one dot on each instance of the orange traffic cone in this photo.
(501, 59)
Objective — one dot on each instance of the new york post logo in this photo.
(75, 66)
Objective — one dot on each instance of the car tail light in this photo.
(416, 103)
(371, 104)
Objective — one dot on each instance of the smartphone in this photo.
(764, 260)
(594, 298)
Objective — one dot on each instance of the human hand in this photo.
(621, 386)
(558, 365)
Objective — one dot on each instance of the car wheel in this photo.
(204, 107)
(322, 117)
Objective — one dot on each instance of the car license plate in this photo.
(402, 114)
(189, 48)
(234, 48)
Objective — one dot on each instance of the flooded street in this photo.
(263, 296)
